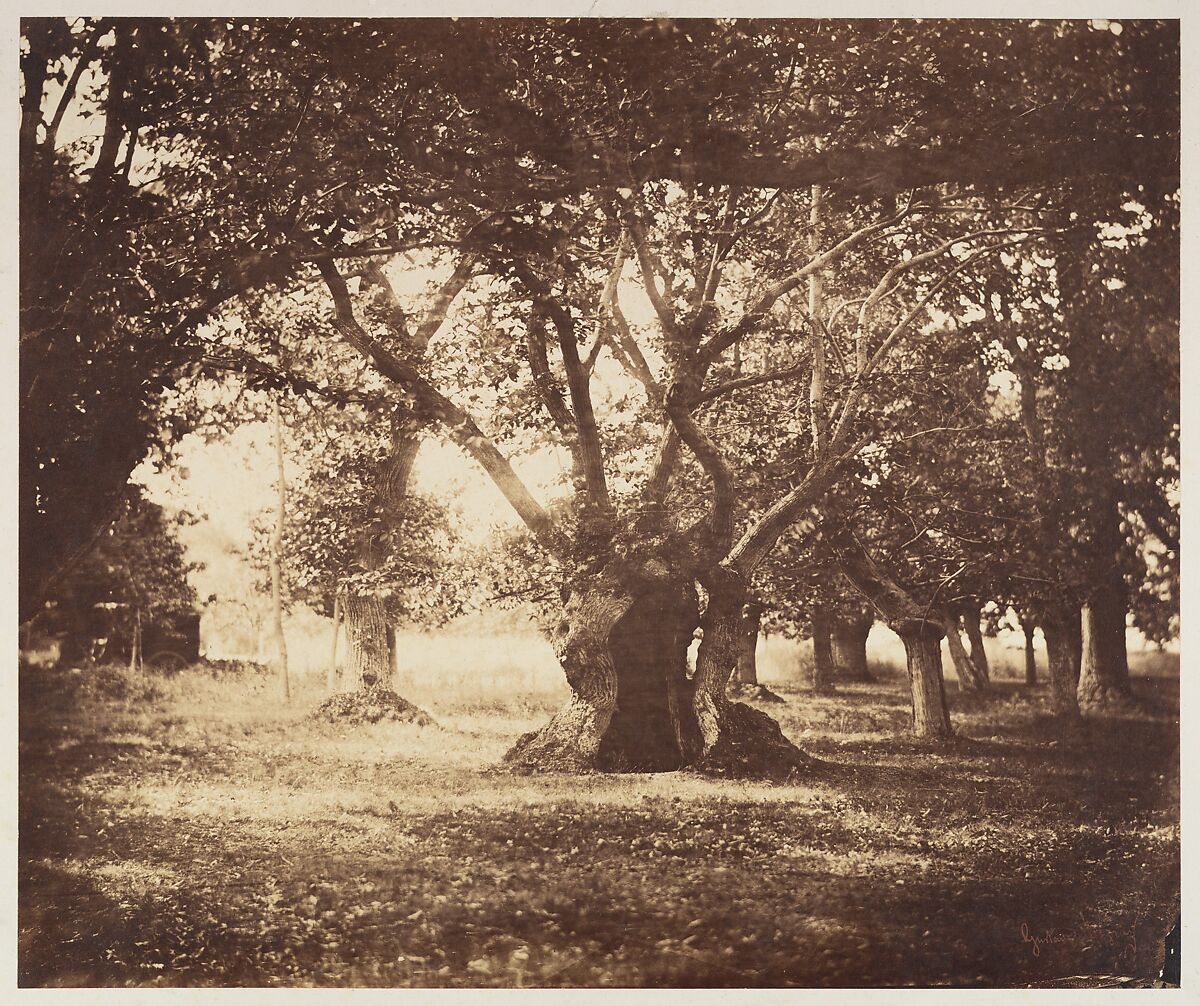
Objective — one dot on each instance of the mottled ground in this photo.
(193, 832)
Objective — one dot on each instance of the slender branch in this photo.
(854, 395)
(543, 380)
(650, 267)
(85, 59)
(591, 455)
(720, 390)
(757, 312)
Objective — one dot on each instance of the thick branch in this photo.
(712, 460)
(543, 380)
(751, 381)
(433, 406)
(758, 540)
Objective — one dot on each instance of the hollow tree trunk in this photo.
(1104, 669)
(923, 650)
(632, 707)
(979, 659)
(849, 644)
(821, 674)
(1061, 629)
(746, 669)
(625, 659)
(366, 639)
(969, 678)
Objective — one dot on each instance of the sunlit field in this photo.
(194, 830)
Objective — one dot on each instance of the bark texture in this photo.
(1061, 629)
(1104, 670)
(979, 657)
(366, 638)
(849, 644)
(923, 650)
(745, 683)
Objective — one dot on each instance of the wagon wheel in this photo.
(167, 661)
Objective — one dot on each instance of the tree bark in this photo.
(1061, 629)
(979, 658)
(923, 650)
(849, 644)
(969, 678)
(1104, 669)
(135, 646)
(821, 673)
(366, 639)
(623, 647)
(746, 669)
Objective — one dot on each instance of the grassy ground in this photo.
(193, 831)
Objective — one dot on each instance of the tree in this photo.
(134, 578)
(222, 158)
(695, 153)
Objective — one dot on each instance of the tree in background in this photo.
(131, 586)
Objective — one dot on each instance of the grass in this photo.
(195, 831)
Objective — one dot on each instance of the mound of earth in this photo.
(371, 705)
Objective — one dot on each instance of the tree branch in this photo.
(433, 406)
(758, 540)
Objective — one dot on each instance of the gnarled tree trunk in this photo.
(923, 650)
(632, 706)
(849, 644)
(821, 672)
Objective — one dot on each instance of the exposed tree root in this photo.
(751, 746)
(372, 704)
(744, 692)
(568, 743)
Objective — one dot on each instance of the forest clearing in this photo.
(191, 831)
(599, 502)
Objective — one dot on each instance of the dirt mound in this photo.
(371, 705)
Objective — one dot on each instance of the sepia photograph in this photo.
(597, 502)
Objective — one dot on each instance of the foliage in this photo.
(136, 570)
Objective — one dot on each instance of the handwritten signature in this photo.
(1049, 937)
(1046, 937)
